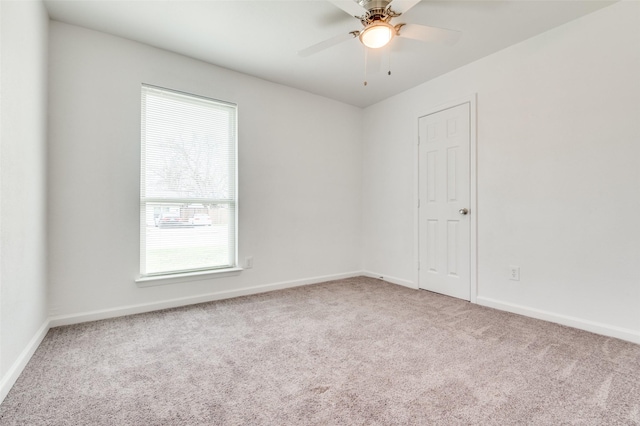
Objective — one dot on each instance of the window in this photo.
(188, 194)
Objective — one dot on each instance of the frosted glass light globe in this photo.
(376, 35)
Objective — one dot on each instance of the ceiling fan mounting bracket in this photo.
(373, 4)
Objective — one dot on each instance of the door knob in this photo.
(463, 211)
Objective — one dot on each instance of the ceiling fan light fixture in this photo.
(377, 34)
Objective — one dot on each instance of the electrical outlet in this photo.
(248, 262)
(514, 273)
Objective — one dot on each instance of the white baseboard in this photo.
(14, 371)
(392, 280)
(60, 320)
(592, 326)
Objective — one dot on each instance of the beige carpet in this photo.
(349, 352)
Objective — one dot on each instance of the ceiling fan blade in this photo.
(350, 6)
(430, 34)
(326, 44)
(402, 6)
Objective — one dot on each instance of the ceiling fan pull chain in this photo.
(389, 60)
(366, 54)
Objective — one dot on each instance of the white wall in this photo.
(558, 173)
(23, 102)
(299, 174)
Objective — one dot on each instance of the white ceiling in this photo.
(262, 37)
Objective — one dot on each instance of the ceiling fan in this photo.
(378, 31)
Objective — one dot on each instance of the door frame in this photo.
(473, 190)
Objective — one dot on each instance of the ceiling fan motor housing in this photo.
(377, 11)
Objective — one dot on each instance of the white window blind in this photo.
(188, 191)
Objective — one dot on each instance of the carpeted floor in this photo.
(351, 352)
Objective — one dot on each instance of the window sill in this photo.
(187, 276)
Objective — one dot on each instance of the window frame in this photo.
(232, 201)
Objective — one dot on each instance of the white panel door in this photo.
(444, 202)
